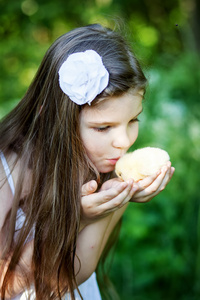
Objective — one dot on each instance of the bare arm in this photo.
(18, 280)
(91, 242)
(6, 204)
(102, 211)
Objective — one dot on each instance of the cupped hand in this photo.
(151, 186)
(113, 194)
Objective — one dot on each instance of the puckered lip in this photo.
(113, 161)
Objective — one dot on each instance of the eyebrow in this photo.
(108, 123)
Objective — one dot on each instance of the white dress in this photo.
(89, 289)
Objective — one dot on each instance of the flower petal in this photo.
(83, 76)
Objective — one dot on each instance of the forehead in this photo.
(127, 105)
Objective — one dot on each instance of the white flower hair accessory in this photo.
(83, 76)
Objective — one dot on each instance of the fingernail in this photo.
(130, 181)
(135, 188)
(169, 164)
(173, 170)
(123, 185)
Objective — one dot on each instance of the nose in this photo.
(123, 140)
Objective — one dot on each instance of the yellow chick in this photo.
(141, 163)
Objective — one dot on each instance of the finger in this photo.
(120, 199)
(130, 195)
(131, 190)
(89, 188)
(107, 195)
(96, 199)
(172, 172)
(166, 179)
(110, 183)
(94, 204)
(153, 189)
(147, 181)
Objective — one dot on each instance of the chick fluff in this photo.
(141, 163)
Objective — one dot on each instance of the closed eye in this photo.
(101, 129)
(134, 120)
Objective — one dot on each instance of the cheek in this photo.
(134, 133)
(92, 145)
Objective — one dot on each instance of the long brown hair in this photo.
(43, 130)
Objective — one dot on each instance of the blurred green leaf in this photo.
(158, 253)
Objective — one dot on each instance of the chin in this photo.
(106, 169)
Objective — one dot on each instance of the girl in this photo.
(59, 199)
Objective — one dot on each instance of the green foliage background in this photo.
(158, 253)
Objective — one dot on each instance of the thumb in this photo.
(89, 188)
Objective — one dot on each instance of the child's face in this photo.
(110, 128)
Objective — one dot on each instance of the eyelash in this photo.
(134, 120)
(101, 129)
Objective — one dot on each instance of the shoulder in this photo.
(19, 171)
(6, 196)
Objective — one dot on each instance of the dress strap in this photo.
(7, 171)
(20, 218)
